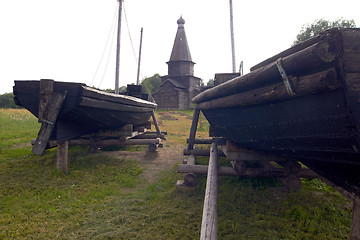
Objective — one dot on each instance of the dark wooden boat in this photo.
(303, 103)
(84, 109)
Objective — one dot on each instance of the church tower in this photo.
(180, 85)
(180, 60)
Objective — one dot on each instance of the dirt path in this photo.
(177, 125)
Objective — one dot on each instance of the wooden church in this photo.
(180, 85)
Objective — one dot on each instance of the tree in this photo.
(312, 29)
(7, 101)
(151, 84)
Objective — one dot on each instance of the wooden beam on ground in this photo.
(209, 217)
(62, 157)
(110, 142)
(248, 172)
(201, 141)
(201, 152)
(193, 128)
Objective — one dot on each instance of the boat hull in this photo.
(85, 110)
(318, 128)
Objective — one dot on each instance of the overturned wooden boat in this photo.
(303, 103)
(81, 109)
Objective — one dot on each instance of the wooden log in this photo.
(62, 157)
(109, 142)
(333, 33)
(316, 56)
(202, 141)
(209, 217)
(249, 172)
(323, 81)
(201, 152)
(51, 113)
(193, 128)
(355, 221)
(156, 123)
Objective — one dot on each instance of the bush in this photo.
(7, 101)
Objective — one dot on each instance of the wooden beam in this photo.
(248, 172)
(323, 81)
(48, 122)
(193, 128)
(209, 217)
(313, 57)
(202, 141)
(355, 221)
(62, 157)
(201, 152)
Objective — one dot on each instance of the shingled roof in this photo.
(180, 51)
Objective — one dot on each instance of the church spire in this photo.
(180, 51)
(180, 63)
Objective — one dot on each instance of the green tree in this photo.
(312, 29)
(7, 101)
(151, 84)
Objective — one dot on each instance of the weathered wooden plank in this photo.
(49, 118)
(209, 217)
(193, 128)
(249, 172)
(296, 48)
(201, 140)
(111, 97)
(323, 81)
(314, 57)
(351, 37)
(110, 142)
(62, 157)
(201, 152)
(96, 103)
(45, 92)
(156, 123)
(355, 221)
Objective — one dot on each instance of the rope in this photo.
(107, 41)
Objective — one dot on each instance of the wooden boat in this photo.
(84, 109)
(303, 103)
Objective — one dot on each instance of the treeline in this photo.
(7, 101)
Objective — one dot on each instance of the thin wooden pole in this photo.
(138, 72)
(118, 50)
(209, 218)
(232, 37)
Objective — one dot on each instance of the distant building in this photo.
(180, 85)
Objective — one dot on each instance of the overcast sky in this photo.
(65, 40)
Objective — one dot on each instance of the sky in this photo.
(65, 40)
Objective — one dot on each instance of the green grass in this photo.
(106, 197)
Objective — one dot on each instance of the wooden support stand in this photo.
(50, 104)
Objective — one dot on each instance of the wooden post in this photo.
(156, 124)
(355, 221)
(62, 157)
(48, 114)
(193, 128)
(209, 218)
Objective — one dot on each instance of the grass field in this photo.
(109, 197)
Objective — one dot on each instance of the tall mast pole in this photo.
(118, 49)
(232, 37)
(138, 72)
